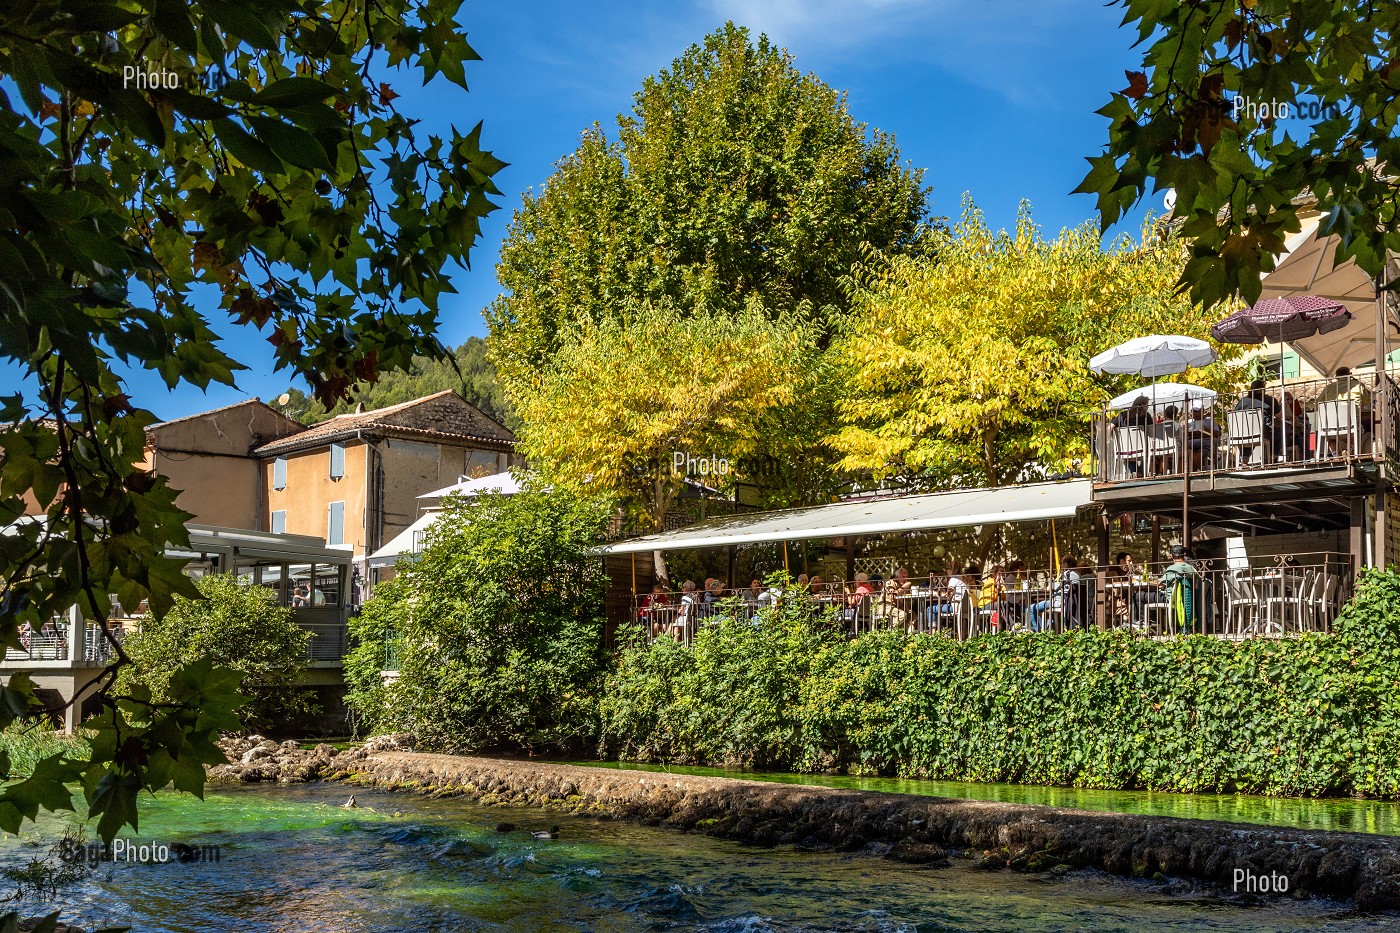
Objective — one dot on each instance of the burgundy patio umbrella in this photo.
(1282, 320)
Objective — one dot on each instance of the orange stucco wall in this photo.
(310, 491)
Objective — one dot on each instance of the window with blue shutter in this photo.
(335, 523)
(279, 522)
(337, 461)
(279, 473)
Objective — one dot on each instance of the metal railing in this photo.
(1243, 598)
(47, 644)
(329, 640)
(1305, 423)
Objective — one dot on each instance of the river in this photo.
(292, 861)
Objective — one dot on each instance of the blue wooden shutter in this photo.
(279, 473)
(337, 461)
(335, 523)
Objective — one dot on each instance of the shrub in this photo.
(1308, 715)
(235, 625)
(499, 627)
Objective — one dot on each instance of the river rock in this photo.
(31, 923)
(254, 758)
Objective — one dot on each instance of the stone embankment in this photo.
(1363, 868)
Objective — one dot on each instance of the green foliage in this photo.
(467, 371)
(1306, 716)
(498, 625)
(1237, 172)
(275, 179)
(735, 178)
(234, 625)
(26, 743)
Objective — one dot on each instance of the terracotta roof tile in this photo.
(444, 416)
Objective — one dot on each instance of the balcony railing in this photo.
(1318, 423)
(1244, 598)
(329, 640)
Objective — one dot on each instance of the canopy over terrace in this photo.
(1037, 502)
(1308, 267)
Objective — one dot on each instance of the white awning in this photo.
(506, 483)
(405, 542)
(1308, 267)
(1037, 502)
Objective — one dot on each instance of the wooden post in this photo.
(1156, 539)
(730, 582)
(1101, 600)
(850, 558)
(1358, 532)
(1380, 551)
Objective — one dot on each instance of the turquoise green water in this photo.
(1357, 816)
(292, 861)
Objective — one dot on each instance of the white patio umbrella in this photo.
(1162, 394)
(1154, 355)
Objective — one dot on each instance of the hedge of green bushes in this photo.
(1308, 715)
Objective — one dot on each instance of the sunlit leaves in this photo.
(970, 366)
(657, 384)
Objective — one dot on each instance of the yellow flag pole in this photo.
(1054, 548)
(785, 560)
(634, 573)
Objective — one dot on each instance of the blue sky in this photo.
(991, 97)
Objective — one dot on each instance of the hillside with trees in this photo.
(467, 370)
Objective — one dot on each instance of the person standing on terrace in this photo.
(1256, 399)
(1177, 582)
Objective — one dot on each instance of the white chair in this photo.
(1336, 428)
(1131, 451)
(1163, 445)
(1242, 605)
(1247, 441)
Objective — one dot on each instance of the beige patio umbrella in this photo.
(1309, 267)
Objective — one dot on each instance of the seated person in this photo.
(856, 594)
(1204, 433)
(902, 581)
(1348, 387)
(1136, 416)
(959, 587)
(689, 611)
(1059, 593)
(887, 611)
(647, 614)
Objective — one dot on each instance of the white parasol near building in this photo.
(1154, 355)
(1161, 394)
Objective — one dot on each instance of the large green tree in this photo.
(247, 152)
(969, 367)
(734, 177)
(1204, 117)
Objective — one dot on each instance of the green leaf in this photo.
(247, 149)
(290, 92)
(291, 144)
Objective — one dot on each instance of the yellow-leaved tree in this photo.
(968, 365)
(622, 399)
